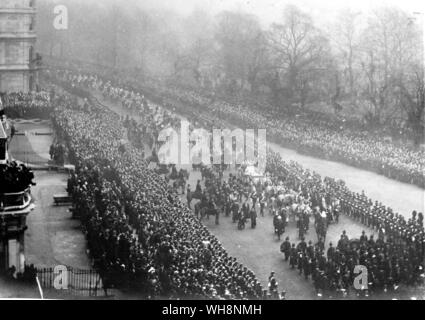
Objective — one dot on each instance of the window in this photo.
(12, 53)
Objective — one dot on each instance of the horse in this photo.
(197, 195)
(207, 212)
(288, 198)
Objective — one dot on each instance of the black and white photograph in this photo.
(212, 156)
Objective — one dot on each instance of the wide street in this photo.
(259, 249)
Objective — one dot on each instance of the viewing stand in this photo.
(14, 208)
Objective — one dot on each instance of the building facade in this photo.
(14, 208)
(18, 70)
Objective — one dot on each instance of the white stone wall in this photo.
(14, 22)
(13, 81)
(15, 52)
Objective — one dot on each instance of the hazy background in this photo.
(267, 10)
(366, 56)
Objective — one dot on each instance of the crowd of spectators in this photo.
(313, 134)
(27, 105)
(138, 232)
(395, 258)
(15, 177)
(309, 132)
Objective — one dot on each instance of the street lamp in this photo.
(3, 143)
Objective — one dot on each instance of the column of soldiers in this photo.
(382, 219)
(389, 264)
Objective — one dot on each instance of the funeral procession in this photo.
(237, 152)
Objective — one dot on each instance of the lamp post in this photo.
(3, 142)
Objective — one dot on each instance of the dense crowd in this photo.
(316, 136)
(308, 132)
(397, 254)
(27, 105)
(137, 231)
(15, 177)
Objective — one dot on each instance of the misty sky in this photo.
(322, 11)
(271, 10)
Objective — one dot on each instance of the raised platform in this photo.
(16, 202)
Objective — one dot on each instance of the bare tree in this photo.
(413, 102)
(389, 45)
(241, 47)
(299, 48)
(346, 33)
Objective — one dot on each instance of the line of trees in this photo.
(369, 64)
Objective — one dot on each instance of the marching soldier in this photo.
(285, 248)
(310, 249)
(331, 252)
(253, 215)
(293, 256)
(306, 266)
(302, 246)
(363, 237)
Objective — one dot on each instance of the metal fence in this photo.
(72, 280)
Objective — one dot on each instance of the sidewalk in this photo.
(10, 289)
(53, 238)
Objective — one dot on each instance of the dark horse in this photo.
(203, 210)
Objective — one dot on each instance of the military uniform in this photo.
(285, 248)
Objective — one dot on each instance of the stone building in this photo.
(18, 70)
